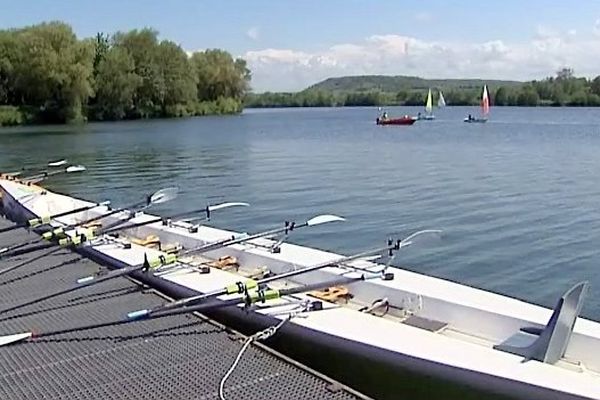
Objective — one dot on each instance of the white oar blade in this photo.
(324, 219)
(227, 205)
(10, 339)
(164, 195)
(75, 168)
(57, 163)
(429, 232)
(15, 173)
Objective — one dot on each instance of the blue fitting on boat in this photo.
(85, 280)
(137, 314)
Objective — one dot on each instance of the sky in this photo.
(290, 45)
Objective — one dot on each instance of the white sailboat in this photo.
(485, 109)
(441, 101)
(428, 109)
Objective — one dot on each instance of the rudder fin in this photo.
(548, 344)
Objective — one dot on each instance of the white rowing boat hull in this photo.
(470, 320)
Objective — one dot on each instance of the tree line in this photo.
(48, 75)
(564, 89)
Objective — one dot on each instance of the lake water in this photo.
(518, 198)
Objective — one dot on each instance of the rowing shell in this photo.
(427, 325)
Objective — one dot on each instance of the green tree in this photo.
(142, 46)
(501, 97)
(578, 98)
(178, 78)
(54, 71)
(116, 85)
(219, 75)
(528, 97)
(101, 47)
(595, 85)
(8, 57)
(564, 74)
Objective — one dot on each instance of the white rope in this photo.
(261, 335)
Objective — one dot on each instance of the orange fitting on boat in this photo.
(225, 263)
(151, 240)
(332, 294)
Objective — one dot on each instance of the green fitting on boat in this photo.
(90, 233)
(33, 223)
(163, 259)
(76, 240)
(263, 295)
(64, 242)
(47, 235)
(58, 231)
(241, 287)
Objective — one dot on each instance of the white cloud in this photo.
(543, 55)
(596, 28)
(253, 33)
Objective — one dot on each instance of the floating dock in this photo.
(179, 357)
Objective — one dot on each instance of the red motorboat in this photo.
(406, 120)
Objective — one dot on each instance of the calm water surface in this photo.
(518, 198)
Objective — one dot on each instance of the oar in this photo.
(260, 296)
(52, 164)
(93, 279)
(35, 222)
(206, 210)
(45, 174)
(170, 258)
(287, 228)
(242, 287)
(58, 163)
(161, 196)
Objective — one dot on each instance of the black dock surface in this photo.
(178, 357)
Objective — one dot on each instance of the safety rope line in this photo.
(261, 335)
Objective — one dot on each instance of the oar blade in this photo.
(58, 163)
(324, 219)
(10, 339)
(75, 168)
(163, 195)
(227, 205)
(422, 235)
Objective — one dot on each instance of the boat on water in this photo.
(485, 109)
(386, 316)
(428, 116)
(404, 120)
(441, 100)
(384, 119)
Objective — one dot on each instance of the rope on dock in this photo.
(261, 335)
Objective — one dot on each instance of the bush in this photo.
(10, 116)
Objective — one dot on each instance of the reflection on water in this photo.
(517, 197)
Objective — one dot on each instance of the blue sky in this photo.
(290, 44)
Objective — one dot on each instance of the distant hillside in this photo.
(395, 84)
(564, 89)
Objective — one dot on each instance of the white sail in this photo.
(441, 101)
(429, 103)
